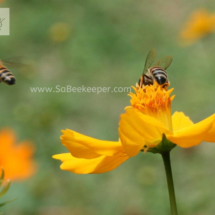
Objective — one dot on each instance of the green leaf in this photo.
(4, 203)
(5, 189)
(2, 177)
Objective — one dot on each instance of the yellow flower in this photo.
(200, 24)
(59, 32)
(15, 159)
(147, 125)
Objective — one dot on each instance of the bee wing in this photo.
(164, 62)
(150, 59)
(14, 62)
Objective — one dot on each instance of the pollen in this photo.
(153, 100)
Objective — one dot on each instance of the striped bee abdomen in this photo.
(159, 75)
(6, 76)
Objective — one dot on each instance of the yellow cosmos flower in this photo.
(16, 160)
(199, 25)
(147, 125)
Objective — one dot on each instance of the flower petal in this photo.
(63, 157)
(131, 147)
(194, 134)
(180, 121)
(82, 146)
(7, 139)
(16, 159)
(85, 166)
(210, 135)
(137, 129)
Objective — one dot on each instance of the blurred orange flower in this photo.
(15, 159)
(200, 24)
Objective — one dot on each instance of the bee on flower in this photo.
(200, 24)
(147, 125)
(155, 72)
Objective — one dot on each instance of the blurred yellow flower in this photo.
(59, 32)
(15, 159)
(145, 126)
(199, 25)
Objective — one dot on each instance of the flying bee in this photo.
(5, 75)
(155, 72)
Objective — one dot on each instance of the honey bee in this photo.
(155, 72)
(5, 75)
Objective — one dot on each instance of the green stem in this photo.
(167, 164)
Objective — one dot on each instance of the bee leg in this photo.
(166, 85)
(140, 82)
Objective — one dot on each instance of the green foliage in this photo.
(4, 189)
(108, 45)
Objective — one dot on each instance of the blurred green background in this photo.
(107, 45)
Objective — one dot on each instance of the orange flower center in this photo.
(155, 101)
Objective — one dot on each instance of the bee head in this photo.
(12, 81)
